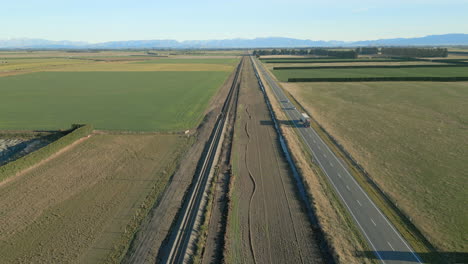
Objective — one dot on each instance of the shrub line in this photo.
(16, 166)
(371, 66)
(382, 79)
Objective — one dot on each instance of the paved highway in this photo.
(388, 245)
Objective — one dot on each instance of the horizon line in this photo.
(215, 39)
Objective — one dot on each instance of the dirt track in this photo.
(267, 223)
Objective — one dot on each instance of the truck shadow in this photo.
(440, 257)
(289, 123)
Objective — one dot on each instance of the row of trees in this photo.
(342, 54)
(281, 52)
(415, 52)
(367, 50)
(351, 54)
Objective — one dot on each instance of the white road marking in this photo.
(319, 148)
(324, 155)
(315, 141)
(331, 164)
(359, 202)
(390, 245)
(339, 175)
(347, 187)
(372, 220)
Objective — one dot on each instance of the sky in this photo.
(109, 20)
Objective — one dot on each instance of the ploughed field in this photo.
(158, 94)
(84, 204)
(266, 221)
(411, 138)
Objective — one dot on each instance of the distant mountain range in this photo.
(270, 42)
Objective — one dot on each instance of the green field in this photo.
(412, 138)
(283, 75)
(146, 101)
(322, 60)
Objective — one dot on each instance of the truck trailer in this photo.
(305, 119)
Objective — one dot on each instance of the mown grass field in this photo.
(137, 101)
(283, 75)
(84, 205)
(412, 139)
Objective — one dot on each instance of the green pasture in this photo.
(134, 101)
(284, 75)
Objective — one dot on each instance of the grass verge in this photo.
(203, 229)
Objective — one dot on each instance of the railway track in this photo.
(186, 224)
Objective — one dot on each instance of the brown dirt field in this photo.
(267, 223)
(78, 206)
(343, 239)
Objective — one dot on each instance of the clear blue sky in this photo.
(105, 20)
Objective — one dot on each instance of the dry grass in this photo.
(30, 64)
(411, 138)
(87, 201)
(121, 66)
(335, 222)
(65, 54)
(108, 61)
(10, 67)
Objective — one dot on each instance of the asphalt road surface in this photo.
(388, 245)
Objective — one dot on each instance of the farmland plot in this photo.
(136, 101)
(87, 201)
(411, 138)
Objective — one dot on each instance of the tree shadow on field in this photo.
(426, 257)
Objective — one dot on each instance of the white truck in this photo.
(305, 119)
